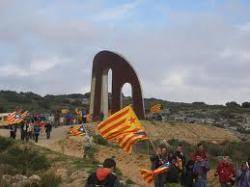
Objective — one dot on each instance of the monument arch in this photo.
(122, 73)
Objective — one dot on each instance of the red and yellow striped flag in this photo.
(156, 108)
(149, 175)
(122, 128)
(76, 131)
(16, 117)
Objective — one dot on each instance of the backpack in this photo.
(109, 181)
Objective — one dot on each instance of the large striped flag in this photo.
(122, 128)
(16, 117)
(156, 108)
(76, 131)
(149, 175)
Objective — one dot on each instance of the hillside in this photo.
(32, 165)
(232, 116)
(188, 134)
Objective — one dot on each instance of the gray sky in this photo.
(182, 50)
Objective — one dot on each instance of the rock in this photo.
(74, 175)
(63, 173)
(7, 179)
(78, 174)
(34, 179)
(19, 181)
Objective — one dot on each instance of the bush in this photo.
(5, 143)
(24, 161)
(98, 139)
(50, 179)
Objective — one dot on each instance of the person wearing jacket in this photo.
(157, 160)
(48, 129)
(174, 172)
(103, 176)
(201, 168)
(243, 176)
(188, 175)
(36, 132)
(226, 172)
(179, 153)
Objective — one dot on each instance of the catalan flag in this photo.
(16, 117)
(149, 175)
(76, 131)
(156, 108)
(122, 128)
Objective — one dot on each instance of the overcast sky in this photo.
(182, 50)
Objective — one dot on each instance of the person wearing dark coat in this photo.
(157, 160)
(104, 176)
(48, 129)
(13, 130)
(188, 175)
(36, 132)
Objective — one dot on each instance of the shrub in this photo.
(25, 161)
(98, 139)
(50, 179)
(5, 143)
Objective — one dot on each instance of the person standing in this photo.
(13, 130)
(174, 172)
(226, 172)
(201, 166)
(243, 175)
(157, 160)
(180, 154)
(87, 143)
(48, 129)
(188, 175)
(104, 176)
(36, 132)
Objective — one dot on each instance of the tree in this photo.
(232, 104)
(246, 105)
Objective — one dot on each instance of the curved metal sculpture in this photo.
(122, 73)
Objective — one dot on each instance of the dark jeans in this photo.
(225, 185)
(48, 134)
(200, 183)
(13, 135)
(36, 137)
(160, 180)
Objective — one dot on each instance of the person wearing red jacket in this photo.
(226, 172)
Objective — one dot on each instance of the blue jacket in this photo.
(200, 169)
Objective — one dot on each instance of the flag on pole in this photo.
(122, 128)
(16, 117)
(76, 131)
(156, 108)
(149, 175)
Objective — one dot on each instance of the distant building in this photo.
(85, 101)
(3, 117)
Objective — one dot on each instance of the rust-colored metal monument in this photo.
(122, 73)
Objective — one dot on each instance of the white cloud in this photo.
(244, 27)
(202, 57)
(241, 55)
(118, 12)
(40, 65)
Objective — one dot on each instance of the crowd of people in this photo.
(31, 128)
(193, 172)
(190, 172)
